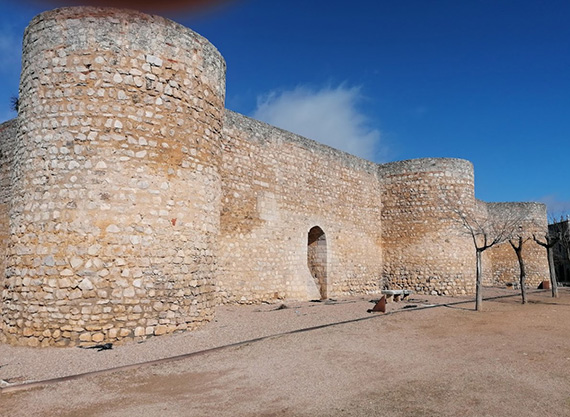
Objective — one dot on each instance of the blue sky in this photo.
(484, 80)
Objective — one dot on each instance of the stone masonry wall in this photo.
(116, 205)
(7, 140)
(425, 245)
(276, 186)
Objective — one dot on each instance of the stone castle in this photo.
(132, 202)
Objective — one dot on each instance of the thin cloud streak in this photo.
(329, 115)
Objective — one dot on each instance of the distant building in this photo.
(562, 250)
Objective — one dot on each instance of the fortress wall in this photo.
(116, 204)
(131, 202)
(505, 266)
(276, 186)
(7, 139)
(424, 243)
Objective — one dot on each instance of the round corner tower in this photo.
(424, 243)
(116, 206)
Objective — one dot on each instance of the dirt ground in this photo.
(508, 360)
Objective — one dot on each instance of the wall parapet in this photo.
(263, 132)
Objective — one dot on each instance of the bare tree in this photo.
(486, 231)
(548, 244)
(558, 233)
(517, 244)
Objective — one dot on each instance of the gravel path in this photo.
(233, 324)
(508, 360)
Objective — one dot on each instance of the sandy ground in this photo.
(509, 360)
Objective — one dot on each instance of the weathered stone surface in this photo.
(85, 337)
(86, 285)
(160, 329)
(75, 262)
(98, 337)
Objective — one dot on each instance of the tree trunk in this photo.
(553, 283)
(479, 284)
(518, 251)
(550, 242)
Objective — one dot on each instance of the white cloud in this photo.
(329, 115)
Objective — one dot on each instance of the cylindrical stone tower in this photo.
(425, 246)
(116, 204)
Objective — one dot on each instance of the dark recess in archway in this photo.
(317, 259)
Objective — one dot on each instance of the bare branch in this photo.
(550, 241)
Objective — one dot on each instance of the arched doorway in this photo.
(317, 259)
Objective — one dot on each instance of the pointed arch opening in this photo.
(317, 259)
